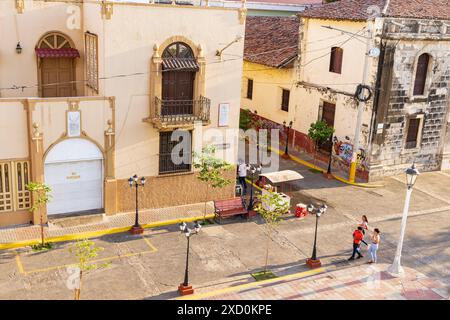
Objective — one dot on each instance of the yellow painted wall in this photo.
(268, 84)
(13, 130)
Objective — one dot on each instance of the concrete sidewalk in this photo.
(362, 282)
(153, 216)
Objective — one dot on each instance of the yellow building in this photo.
(398, 50)
(91, 93)
(270, 60)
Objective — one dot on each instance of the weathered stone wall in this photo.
(397, 103)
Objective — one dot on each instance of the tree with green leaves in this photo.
(245, 119)
(319, 132)
(85, 251)
(41, 196)
(271, 207)
(211, 170)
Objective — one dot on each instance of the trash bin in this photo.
(300, 210)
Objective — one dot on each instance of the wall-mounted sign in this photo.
(73, 123)
(73, 176)
(224, 111)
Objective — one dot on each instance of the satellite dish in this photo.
(374, 52)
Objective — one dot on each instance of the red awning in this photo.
(57, 53)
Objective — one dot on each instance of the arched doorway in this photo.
(179, 69)
(56, 65)
(74, 171)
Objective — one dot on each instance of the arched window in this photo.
(179, 70)
(56, 65)
(178, 50)
(421, 74)
(54, 41)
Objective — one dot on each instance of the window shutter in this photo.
(285, 100)
(421, 74)
(250, 89)
(336, 59)
(413, 131)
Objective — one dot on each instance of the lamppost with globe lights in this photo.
(313, 262)
(184, 288)
(411, 175)
(254, 170)
(287, 129)
(135, 181)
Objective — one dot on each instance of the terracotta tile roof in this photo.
(272, 41)
(358, 9)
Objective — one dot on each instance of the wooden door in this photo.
(328, 112)
(178, 92)
(57, 77)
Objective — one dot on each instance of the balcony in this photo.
(171, 114)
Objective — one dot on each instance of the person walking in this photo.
(357, 239)
(365, 226)
(242, 173)
(375, 238)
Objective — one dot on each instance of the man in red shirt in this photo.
(358, 236)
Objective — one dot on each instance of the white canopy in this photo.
(282, 176)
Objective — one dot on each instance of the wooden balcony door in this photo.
(328, 113)
(57, 76)
(177, 85)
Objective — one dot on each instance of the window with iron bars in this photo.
(167, 154)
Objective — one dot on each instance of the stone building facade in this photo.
(398, 107)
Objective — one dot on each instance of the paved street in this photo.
(225, 255)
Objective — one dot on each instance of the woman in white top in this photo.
(375, 238)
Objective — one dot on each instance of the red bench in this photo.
(228, 208)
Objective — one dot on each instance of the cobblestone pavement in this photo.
(354, 283)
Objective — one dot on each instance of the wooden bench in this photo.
(228, 208)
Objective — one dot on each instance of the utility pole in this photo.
(361, 105)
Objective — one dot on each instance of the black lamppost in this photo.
(313, 262)
(287, 129)
(134, 181)
(184, 288)
(254, 170)
(332, 140)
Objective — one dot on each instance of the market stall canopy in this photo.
(282, 176)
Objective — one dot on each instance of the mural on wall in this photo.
(343, 151)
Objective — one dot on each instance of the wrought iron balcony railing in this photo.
(175, 112)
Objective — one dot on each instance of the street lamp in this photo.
(411, 175)
(313, 262)
(254, 169)
(287, 129)
(184, 288)
(135, 181)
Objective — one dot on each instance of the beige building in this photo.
(406, 117)
(91, 92)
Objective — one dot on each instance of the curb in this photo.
(300, 275)
(310, 165)
(99, 233)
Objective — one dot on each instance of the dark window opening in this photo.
(328, 113)
(336, 59)
(413, 132)
(421, 74)
(285, 100)
(178, 160)
(250, 89)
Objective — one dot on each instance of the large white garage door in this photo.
(74, 171)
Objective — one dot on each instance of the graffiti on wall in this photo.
(343, 152)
